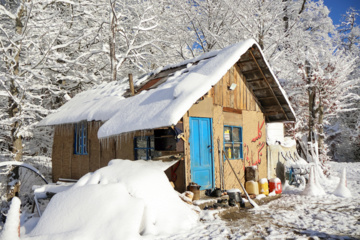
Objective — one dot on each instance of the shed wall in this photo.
(236, 107)
(66, 164)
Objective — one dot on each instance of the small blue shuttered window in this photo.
(233, 142)
(80, 138)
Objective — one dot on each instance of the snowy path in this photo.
(294, 216)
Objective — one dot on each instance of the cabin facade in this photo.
(225, 119)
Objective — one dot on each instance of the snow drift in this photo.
(342, 190)
(125, 200)
(313, 187)
(10, 230)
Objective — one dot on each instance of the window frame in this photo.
(232, 142)
(148, 147)
(80, 138)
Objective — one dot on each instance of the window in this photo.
(80, 139)
(144, 147)
(233, 142)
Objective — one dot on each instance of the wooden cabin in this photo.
(235, 94)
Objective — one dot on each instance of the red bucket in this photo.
(275, 185)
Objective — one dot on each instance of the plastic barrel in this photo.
(263, 186)
(275, 185)
(252, 187)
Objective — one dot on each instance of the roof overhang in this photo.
(266, 88)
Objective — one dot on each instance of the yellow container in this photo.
(263, 186)
(252, 187)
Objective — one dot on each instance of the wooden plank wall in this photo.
(95, 149)
(248, 115)
(125, 146)
(62, 152)
(241, 98)
(65, 164)
(107, 151)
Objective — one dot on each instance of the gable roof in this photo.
(168, 93)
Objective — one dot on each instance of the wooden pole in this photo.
(247, 195)
(131, 82)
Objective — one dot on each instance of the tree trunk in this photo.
(321, 128)
(112, 40)
(312, 96)
(14, 107)
(312, 114)
(15, 110)
(286, 18)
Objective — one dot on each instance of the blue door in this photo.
(201, 157)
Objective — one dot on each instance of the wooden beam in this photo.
(255, 80)
(267, 82)
(131, 82)
(260, 89)
(149, 84)
(267, 88)
(250, 71)
(272, 113)
(265, 98)
(233, 110)
(248, 60)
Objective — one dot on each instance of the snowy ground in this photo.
(294, 216)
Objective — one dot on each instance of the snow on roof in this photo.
(98, 103)
(159, 107)
(166, 105)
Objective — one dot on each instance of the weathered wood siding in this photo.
(241, 98)
(62, 152)
(66, 164)
(236, 107)
(94, 146)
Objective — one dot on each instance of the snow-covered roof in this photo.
(161, 106)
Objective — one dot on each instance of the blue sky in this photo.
(339, 7)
